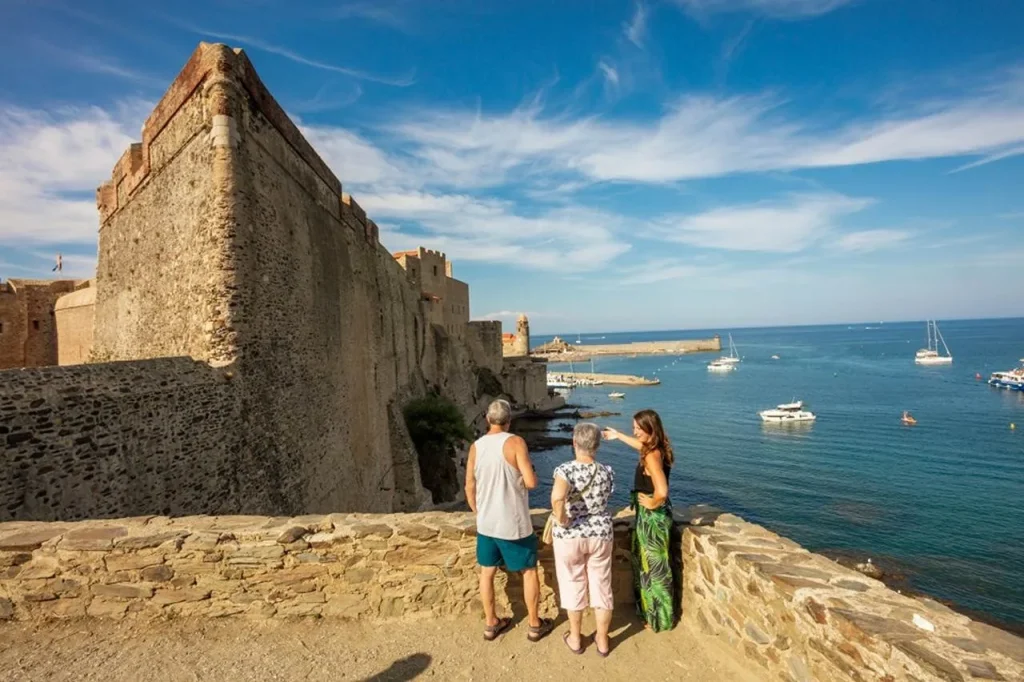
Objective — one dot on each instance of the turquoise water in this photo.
(943, 499)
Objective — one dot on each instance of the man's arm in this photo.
(523, 462)
(471, 477)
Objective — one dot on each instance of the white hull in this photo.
(721, 367)
(616, 395)
(930, 355)
(780, 417)
(936, 360)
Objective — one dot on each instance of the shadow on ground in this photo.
(403, 669)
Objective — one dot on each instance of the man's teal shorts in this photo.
(514, 555)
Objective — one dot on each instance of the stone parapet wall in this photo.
(803, 618)
(795, 615)
(337, 565)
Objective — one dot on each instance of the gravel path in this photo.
(234, 649)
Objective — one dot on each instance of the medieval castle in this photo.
(247, 344)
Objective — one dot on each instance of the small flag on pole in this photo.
(59, 267)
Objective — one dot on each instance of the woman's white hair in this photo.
(587, 437)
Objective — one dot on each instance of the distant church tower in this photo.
(522, 344)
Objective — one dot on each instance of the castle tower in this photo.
(522, 343)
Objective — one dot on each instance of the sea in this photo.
(940, 502)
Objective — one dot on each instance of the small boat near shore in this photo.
(617, 395)
(787, 413)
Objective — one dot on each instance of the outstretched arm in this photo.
(471, 477)
(612, 434)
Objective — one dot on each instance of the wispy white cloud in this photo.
(778, 9)
(611, 74)
(88, 61)
(661, 270)
(636, 29)
(564, 239)
(396, 14)
(997, 156)
(50, 166)
(774, 227)
(704, 136)
(282, 51)
(867, 241)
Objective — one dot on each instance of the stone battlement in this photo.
(209, 64)
(793, 614)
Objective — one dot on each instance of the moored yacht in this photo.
(733, 357)
(930, 355)
(787, 413)
(721, 365)
(1011, 379)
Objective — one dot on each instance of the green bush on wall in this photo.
(437, 427)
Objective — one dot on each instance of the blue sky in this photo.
(597, 165)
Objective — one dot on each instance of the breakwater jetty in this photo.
(560, 351)
(611, 379)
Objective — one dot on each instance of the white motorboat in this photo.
(616, 395)
(775, 357)
(787, 413)
(733, 357)
(720, 366)
(930, 355)
(1011, 379)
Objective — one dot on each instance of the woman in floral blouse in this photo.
(583, 537)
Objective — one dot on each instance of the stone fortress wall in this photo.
(28, 325)
(75, 314)
(225, 240)
(793, 614)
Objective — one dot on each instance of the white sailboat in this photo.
(733, 357)
(930, 355)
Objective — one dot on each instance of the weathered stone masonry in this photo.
(795, 614)
(803, 618)
(225, 239)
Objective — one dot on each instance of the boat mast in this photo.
(938, 335)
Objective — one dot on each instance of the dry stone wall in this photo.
(802, 618)
(793, 614)
(337, 565)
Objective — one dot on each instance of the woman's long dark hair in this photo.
(650, 423)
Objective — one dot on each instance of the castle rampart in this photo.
(28, 328)
(789, 613)
(225, 239)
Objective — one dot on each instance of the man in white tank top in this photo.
(499, 478)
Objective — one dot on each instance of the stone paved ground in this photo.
(234, 649)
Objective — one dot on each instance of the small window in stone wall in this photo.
(35, 324)
(435, 271)
(1, 327)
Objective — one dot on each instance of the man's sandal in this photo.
(535, 634)
(491, 632)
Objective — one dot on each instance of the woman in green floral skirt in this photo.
(653, 579)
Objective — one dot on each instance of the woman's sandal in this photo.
(535, 634)
(565, 638)
(491, 632)
(602, 654)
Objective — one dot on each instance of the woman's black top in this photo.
(642, 483)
